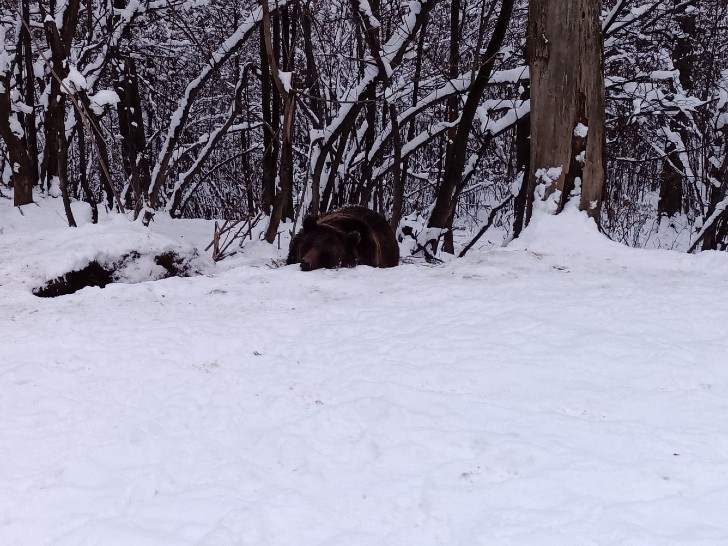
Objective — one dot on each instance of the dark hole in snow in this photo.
(101, 274)
(94, 274)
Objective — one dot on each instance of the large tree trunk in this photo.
(567, 101)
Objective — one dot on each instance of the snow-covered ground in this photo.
(564, 390)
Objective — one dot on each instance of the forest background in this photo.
(419, 109)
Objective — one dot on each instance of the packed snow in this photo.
(581, 130)
(563, 390)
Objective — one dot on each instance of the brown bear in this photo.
(344, 237)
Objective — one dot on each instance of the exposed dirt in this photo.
(101, 274)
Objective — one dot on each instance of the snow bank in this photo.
(38, 246)
(573, 235)
(564, 390)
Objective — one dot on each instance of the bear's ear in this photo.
(353, 238)
(309, 222)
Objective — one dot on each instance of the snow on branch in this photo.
(179, 116)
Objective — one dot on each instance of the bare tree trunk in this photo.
(286, 172)
(286, 93)
(567, 100)
(715, 228)
(17, 148)
(83, 177)
(131, 128)
(672, 177)
(671, 181)
(268, 178)
(401, 180)
(289, 21)
(56, 140)
(316, 102)
(523, 166)
(31, 130)
(446, 198)
(448, 244)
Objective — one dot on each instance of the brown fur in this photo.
(345, 237)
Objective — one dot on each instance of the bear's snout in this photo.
(310, 260)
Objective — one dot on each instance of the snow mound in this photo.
(570, 233)
(39, 249)
(129, 268)
(573, 237)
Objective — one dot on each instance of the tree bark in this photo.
(268, 176)
(400, 182)
(20, 159)
(448, 244)
(567, 101)
(285, 177)
(523, 166)
(671, 178)
(31, 129)
(83, 177)
(671, 181)
(55, 124)
(133, 136)
(316, 101)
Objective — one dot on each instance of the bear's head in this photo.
(324, 246)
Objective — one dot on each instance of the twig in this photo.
(491, 218)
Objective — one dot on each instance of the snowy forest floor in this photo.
(564, 390)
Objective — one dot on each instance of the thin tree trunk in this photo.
(289, 103)
(133, 136)
(455, 163)
(715, 228)
(268, 178)
(448, 244)
(21, 174)
(56, 140)
(401, 180)
(672, 178)
(83, 177)
(31, 130)
(671, 181)
(286, 172)
(316, 103)
(523, 166)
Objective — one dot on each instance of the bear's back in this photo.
(379, 246)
